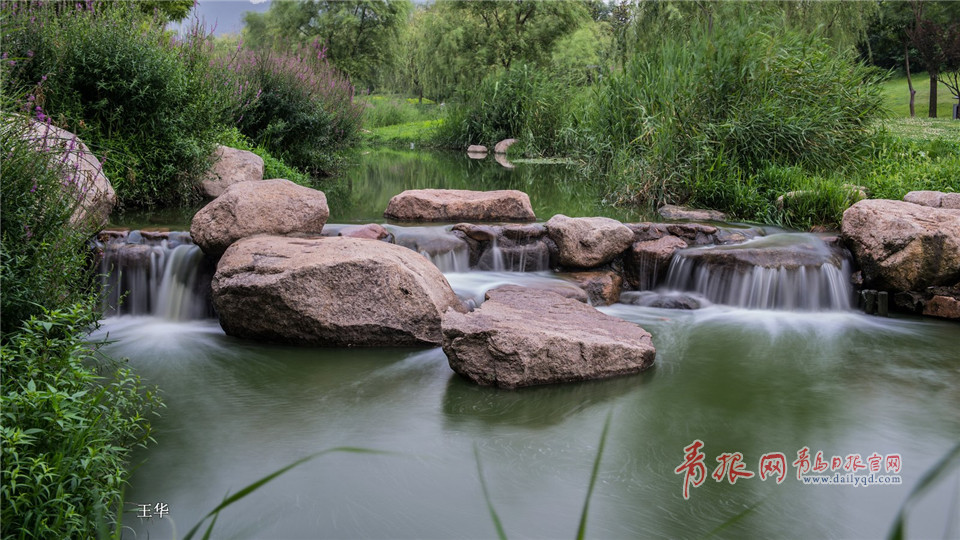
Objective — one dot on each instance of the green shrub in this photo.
(705, 108)
(304, 113)
(524, 103)
(66, 430)
(43, 261)
(136, 95)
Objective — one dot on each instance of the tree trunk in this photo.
(913, 93)
(933, 93)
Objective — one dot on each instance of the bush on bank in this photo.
(151, 104)
(68, 416)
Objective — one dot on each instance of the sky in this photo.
(227, 14)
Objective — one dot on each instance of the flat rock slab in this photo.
(902, 246)
(333, 291)
(669, 211)
(245, 209)
(460, 205)
(523, 337)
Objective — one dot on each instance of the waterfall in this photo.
(792, 272)
(455, 260)
(159, 274)
(512, 256)
(444, 249)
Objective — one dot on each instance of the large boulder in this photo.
(902, 246)
(266, 207)
(332, 291)
(588, 242)
(460, 205)
(82, 173)
(231, 166)
(522, 337)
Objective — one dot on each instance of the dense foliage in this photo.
(359, 35)
(152, 104)
(68, 418)
(131, 92)
(303, 110)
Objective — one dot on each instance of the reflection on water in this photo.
(739, 380)
(375, 175)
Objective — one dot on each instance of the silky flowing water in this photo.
(739, 379)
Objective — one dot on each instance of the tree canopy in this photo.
(360, 35)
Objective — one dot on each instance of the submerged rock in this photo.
(669, 211)
(333, 291)
(460, 205)
(901, 246)
(372, 231)
(523, 337)
(664, 300)
(266, 207)
(588, 242)
(231, 166)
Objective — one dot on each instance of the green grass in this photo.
(922, 129)
(896, 96)
(420, 133)
(387, 110)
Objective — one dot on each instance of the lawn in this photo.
(896, 95)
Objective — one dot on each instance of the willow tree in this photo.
(360, 35)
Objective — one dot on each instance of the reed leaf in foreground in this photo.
(261, 482)
(486, 496)
(582, 529)
(931, 477)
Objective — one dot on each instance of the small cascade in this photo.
(160, 274)
(781, 271)
(507, 255)
(445, 250)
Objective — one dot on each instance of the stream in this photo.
(776, 362)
